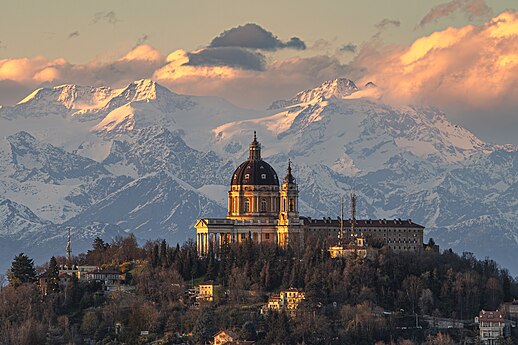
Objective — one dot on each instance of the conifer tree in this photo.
(53, 275)
(22, 270)
(205, 327)
(163, 254)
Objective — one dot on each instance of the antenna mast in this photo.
(353, 212)
(341, 233)
(69, 242)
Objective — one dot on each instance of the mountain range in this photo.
(146, 160)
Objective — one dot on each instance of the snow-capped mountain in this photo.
(146, 160)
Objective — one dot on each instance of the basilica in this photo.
(262, 211)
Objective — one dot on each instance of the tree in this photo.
(205, 327)
(53, 276)
(22, 270)
(426, 301)
(89, 324)
(248, 331)
(412, 287)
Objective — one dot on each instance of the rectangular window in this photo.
(243, 236)
(263, 176)
(267, 236)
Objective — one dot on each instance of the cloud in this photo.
(227, 56)
(249, 88)
(321, 44)
(109, 17)
(143, 52)
(254, 36)
(471, 8)
(471, 69)
(349, 47)
(29, 73)
(386, 23)
(141, 40)
(73, 34)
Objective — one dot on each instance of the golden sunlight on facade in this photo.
(262, 212)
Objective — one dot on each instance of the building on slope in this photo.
(261, 211)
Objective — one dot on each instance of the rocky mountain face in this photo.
(143, 159)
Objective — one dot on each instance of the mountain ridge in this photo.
(170, 166)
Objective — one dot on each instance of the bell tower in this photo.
(289, 224)
(289, 194)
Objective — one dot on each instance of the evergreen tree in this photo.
(248, 331)
(22, 270)
(53, 276)
(163, 254)
(155, 259)
(205, 327)
(99, 244)
(211, 265)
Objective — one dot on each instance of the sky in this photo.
(458, 55)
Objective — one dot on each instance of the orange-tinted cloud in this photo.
(473, 66)
(248, 88)
(139, 63)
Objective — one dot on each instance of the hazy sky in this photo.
(459, 55)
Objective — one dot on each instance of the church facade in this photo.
(261, 210)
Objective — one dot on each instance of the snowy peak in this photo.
(16, 218)
(70, 96)
(37, 161)
(144, 90)
(337, 88)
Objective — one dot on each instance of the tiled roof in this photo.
(362, 223)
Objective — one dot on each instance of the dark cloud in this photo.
(73, 34)
(109, 17)
(321, 44)
(386, 23)
(254, 36)
(141, 40)
(295, 43)
(227, 56)
(349, 47)
(471, 8)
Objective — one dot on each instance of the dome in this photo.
(255, 171)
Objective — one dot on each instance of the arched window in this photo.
(247, 205)
(263, 205)
(292, 205)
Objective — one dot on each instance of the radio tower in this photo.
(341, 233)
(68, 249)
(353, 213)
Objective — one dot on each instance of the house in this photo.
(491, 325)
(288, 300)
(75, 270)
(511, 309)
(111, 279)
(225, 337)
(207, 291)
